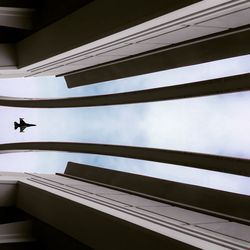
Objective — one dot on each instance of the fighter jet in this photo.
(22, 125)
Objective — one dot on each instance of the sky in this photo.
(216, 124)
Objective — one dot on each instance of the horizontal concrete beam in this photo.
(227, 205)
(215, 47)
(83, 26)
(197, 89)
(187, 159)
(92, 226)
(20, 231)
(20, 18)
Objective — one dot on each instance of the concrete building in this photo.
(92, 41)
(93, 208)
(88, 41)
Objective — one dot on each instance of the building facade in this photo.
(85, 208)
(92, 41)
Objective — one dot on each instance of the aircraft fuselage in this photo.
(22, 125)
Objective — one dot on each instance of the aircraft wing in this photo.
(22, 129)
(21, 121)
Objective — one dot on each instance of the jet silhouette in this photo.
(22, 125)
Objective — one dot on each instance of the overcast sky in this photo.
(215, 124)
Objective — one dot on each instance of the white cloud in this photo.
(216, 124)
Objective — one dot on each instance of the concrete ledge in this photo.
(218, 163)
(225, 204)
(91, 226)
(96, 20)
(203, 88)
(228, 44)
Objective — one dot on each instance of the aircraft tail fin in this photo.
(16, 125)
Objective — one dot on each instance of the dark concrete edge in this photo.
(95, 176)
(209, 87)
(224, 164)
(152, 61)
